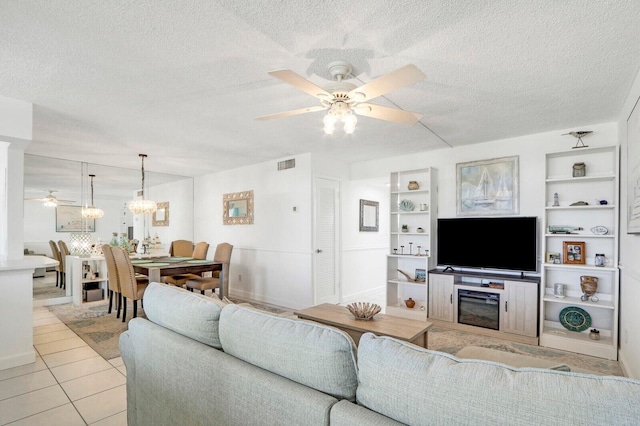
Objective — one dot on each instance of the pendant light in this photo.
(92, 212)
(142, 206)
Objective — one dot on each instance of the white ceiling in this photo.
(182, 81)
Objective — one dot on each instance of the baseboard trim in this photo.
(28, 357)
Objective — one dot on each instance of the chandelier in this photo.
(92, 212)
(340, 111)
(142, 206)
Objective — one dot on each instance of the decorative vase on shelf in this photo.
(114, 240)
(413, 185)
(410, 303)
(124, 243)
(589, 285)
(405, 228)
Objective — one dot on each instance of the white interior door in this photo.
(326, 282)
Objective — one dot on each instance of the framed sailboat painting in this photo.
(487, 187)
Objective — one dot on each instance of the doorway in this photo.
(326, 242)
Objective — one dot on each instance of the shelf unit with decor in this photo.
(600, 182)
(403, 246)
(84, 288)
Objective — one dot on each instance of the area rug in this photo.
(93, 324)
(101, 330)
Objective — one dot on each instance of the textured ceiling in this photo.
(182, 81)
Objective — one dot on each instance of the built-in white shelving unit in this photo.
(599, 183)
(413, 249)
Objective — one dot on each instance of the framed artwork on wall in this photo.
(633, 171)
(69, 219)
(487, 187)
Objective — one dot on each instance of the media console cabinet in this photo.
(491, 304)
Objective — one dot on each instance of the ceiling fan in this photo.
(342, 98)
(51, 200)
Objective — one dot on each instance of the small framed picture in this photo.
(421, 275)
(574, 252)
(553, 257)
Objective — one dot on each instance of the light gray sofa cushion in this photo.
(178, 381)
(184, 312)
(318, 356)
(416, 386)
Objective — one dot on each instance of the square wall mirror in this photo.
(369, 216)
(237, 208)
(161, 215)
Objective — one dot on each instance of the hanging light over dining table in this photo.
(142, 205)
(92, 212)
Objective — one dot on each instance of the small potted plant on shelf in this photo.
(405, 228)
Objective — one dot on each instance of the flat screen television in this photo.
(508, 243)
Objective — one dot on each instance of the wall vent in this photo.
(286, 164)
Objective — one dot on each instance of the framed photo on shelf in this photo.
(553, 258)
(421, 275)
(574, 252)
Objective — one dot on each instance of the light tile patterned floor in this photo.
(68, 385)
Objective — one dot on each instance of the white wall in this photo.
(271, 259)
(364, 253)
(629, 248)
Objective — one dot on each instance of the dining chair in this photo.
(64, 252)
(222, 255)
(55, 252)
(114, 282)
(130, 287)
(199, 253)
(181, 248)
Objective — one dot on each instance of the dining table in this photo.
(156, 268)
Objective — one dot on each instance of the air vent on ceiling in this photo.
(286, 164)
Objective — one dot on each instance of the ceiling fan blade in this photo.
(292, 112)
(387, 114)
(301, 83)
(405, 76)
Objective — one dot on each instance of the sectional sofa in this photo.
(198, 361)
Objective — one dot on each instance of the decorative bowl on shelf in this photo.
(406, 205)
(363, 310)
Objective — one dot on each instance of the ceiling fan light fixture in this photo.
(142, 206)
(50, 203)
(349, 121)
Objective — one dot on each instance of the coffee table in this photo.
(409, 330)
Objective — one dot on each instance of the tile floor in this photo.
(69, 384)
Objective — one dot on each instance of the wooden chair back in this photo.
(181, 248)
(55, 251)
(112, 272)
(126, 274)
(223, 255)
(200, 250)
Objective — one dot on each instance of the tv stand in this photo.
(448, 268)
(517, 302)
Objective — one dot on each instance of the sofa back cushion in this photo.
(184, 312)
(411, 384)
(318, 356)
